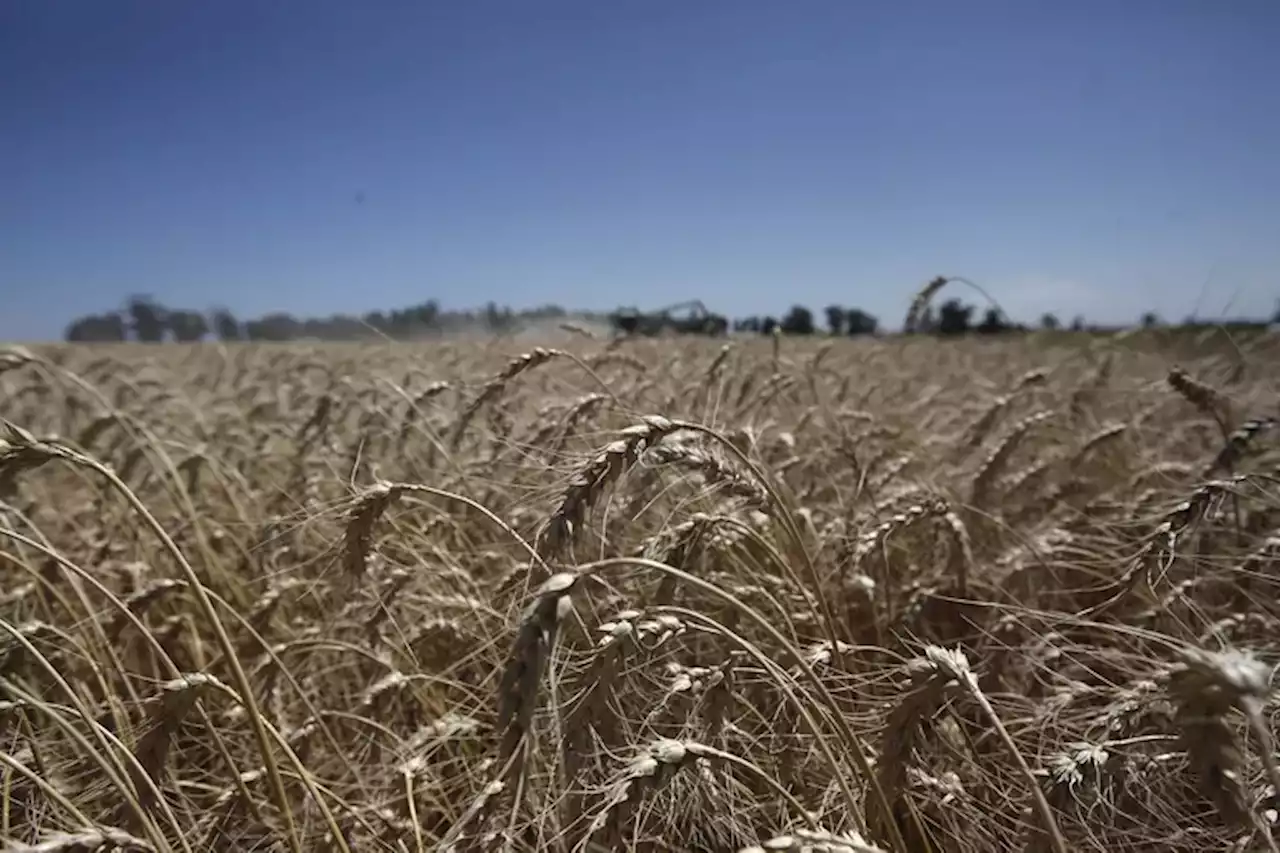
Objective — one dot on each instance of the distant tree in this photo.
(954, 317)
(1150, 320)
(225, 325)
(799, 321)
(414, 320)
(149, 319)
(835, 319)
(397, 324)
(714, 325)
(96, 328)
(80, 330)
(1049, 322)
(498, 319)
(113, 327)
(273, 327)
(768, 324)
(425, 314)
(1077, 323)
(322, 329)
(187, 326)
(859, 322)
(992, 323)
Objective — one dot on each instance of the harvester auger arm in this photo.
(692, 303)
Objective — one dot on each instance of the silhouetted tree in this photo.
(1077, 323)
(97, 328)
(835, 319)
(498, 319)
(799, 321)
(859, 322)
(417, 319)
(113, 326)
(80, 330)
(426, 313)
(226, 326)
(1049, 322)
(768, 324)
(954, 317)
(149, 320)
(1150, 320)
(187, 326)
(273, 327)
(327, 329)
(992, 323)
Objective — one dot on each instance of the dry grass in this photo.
(894, 595)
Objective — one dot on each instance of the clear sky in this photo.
(1083, 157)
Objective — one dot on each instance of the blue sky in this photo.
(1083, 157)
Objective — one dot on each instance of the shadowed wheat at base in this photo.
(852, 595)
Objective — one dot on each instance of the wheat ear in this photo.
(86, 841)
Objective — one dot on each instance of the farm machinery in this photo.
(698, 321)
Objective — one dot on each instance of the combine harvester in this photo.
(700, 321)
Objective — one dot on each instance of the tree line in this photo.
(955, 317)
(952, 317)
(144, 319)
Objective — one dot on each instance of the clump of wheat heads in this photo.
(86, 841)
(592, 480)
(535, 638)
(167, 712)
(1204, 397)
(495, 386)
(1205, 687)
(815, 841)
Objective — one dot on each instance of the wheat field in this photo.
(893, 594)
